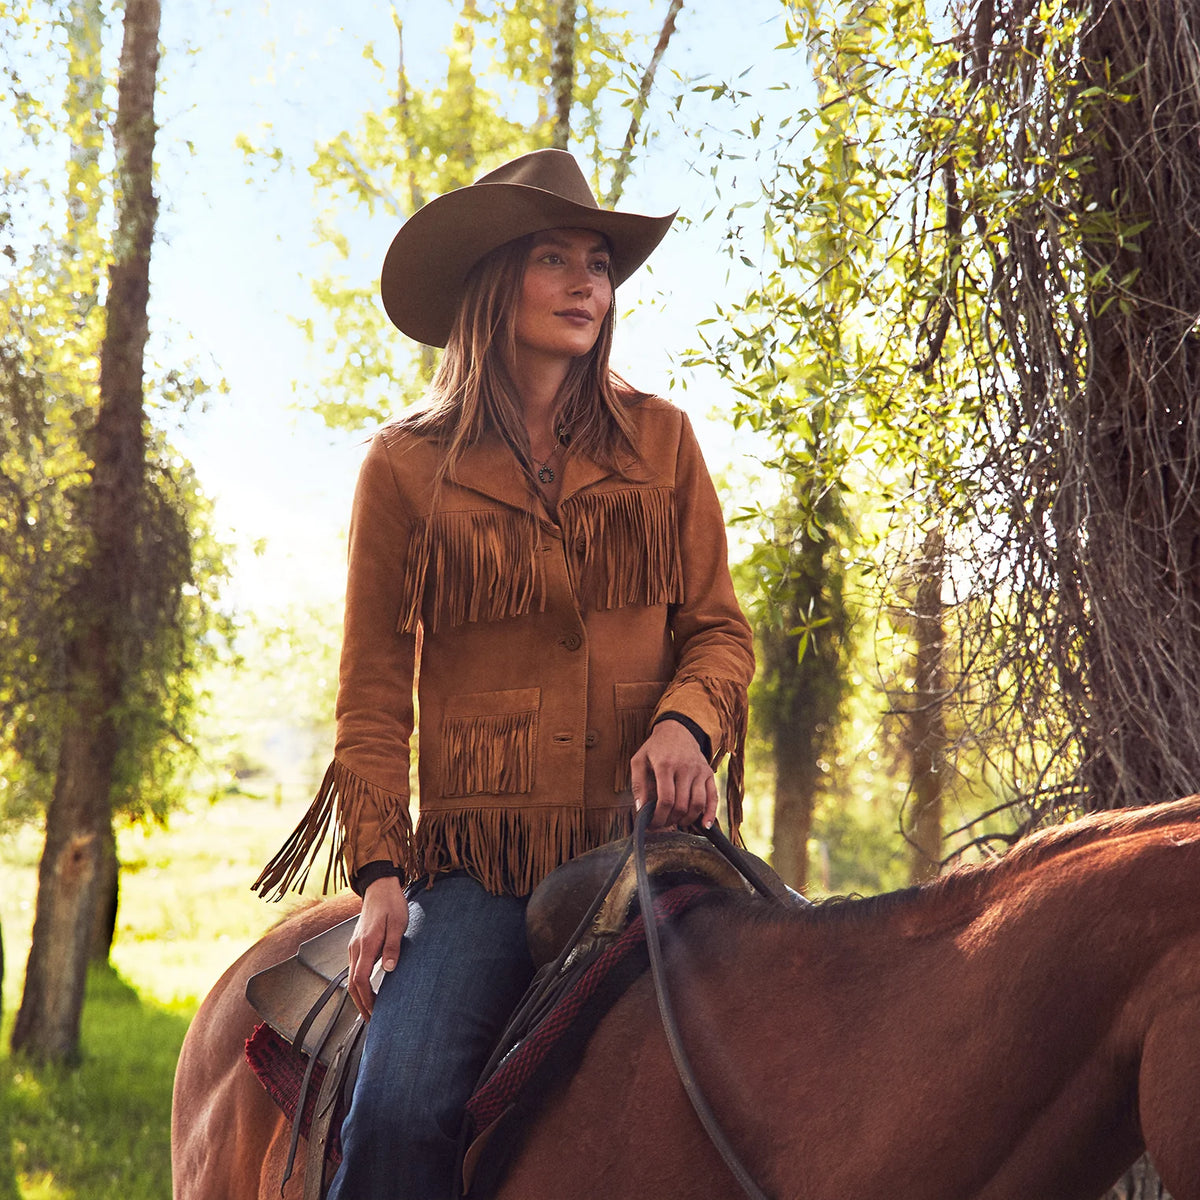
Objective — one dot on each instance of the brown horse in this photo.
(1016, 1030)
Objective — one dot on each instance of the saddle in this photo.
(306, 1051)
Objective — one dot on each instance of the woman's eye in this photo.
(600, 266)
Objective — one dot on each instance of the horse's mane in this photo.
(968, 883)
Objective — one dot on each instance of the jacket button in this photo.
(591, 738)
(570, 641)
(580, 544)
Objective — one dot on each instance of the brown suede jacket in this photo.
(542, 651)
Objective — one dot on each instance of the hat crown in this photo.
(430, 258)
(553, 171)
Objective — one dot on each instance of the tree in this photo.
(794, 581)
(100, 657)
(1008, 214)
(1107, 373)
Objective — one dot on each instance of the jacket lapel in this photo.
(490, 468)
(579, 473)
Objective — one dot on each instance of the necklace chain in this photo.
(545, 472)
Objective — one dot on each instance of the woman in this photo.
(546, 544)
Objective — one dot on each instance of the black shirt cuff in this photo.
(702, 738)
(369, 872)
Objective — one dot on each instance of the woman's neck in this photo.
(538, 384)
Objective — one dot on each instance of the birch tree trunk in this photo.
(100, 654)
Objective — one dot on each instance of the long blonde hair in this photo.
(473, 392)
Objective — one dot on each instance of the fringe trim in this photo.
(337, 809)
(510, 851)
(633, 727)
(488, 755)
(479, 566)
(729, 699)
(622, 548)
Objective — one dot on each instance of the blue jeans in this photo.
(462, 969)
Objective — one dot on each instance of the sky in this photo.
(235, 251)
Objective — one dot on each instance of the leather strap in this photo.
(341, 1070)
(334, 984)
(666, 1011)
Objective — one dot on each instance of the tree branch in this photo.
(621, 173)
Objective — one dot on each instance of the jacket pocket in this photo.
(635, 704)
(489, 742)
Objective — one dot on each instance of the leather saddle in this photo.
(561, 900)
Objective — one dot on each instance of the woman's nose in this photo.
(583, 283)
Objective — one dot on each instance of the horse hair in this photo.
(970, 883)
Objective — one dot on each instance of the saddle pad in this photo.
(511, 1096)
(280, 1068)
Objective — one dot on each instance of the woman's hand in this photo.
(669, 768)
(380, 927)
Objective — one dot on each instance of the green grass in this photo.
(101, 1131)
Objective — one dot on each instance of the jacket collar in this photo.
(490, 468)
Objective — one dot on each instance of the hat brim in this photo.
(426, 266)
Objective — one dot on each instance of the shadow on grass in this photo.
(102, 1130)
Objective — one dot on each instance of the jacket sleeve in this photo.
(364, 797)
(714, 646)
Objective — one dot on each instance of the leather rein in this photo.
(666, 1010)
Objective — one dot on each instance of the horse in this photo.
(1019, 1028)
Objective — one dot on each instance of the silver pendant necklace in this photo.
(545, 472)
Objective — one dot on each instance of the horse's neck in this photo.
(1036, 989)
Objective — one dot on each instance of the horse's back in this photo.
(228, 1139)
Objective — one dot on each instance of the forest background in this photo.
(928, 302)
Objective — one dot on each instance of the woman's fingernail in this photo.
(389, 964)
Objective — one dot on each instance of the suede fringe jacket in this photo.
(541, 651)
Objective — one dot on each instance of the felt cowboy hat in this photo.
(426, 266)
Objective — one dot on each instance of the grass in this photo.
(101, 1131)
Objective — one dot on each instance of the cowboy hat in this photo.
(426, 266)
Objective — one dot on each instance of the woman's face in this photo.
(565, 295)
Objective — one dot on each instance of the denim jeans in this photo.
(462, 969)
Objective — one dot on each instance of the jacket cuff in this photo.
(702, 738)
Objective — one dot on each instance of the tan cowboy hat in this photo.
(427, 263)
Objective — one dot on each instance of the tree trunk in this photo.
(1132, 496)
(793, 755)
(100, 656)
(925, 733)
(802, 675)
(562, 74)
(460, 84)
(416, 197)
